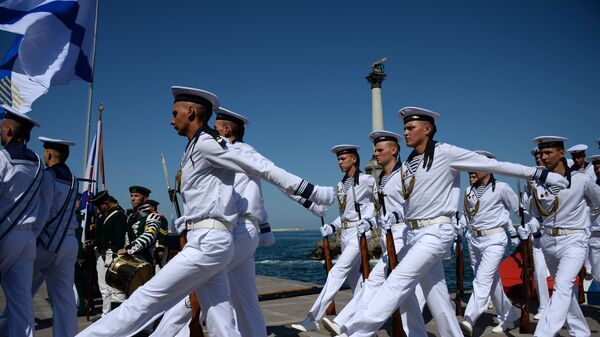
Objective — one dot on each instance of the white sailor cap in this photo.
(382, 135)
(203, 97)
(549, 141)
(595, 159)
(12, 113)
(535, 151)
(228, 115)
(47, 140)
(577, 148)
(344, 149)
(411, 113)
(486, 153)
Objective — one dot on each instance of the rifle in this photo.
(460, 272)
(364, 247)
(195, 325)
(327, 252)
(525, 326)
(397, 329)
(580, 288)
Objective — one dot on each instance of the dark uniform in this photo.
(161, 250)
(143, 228)
(109, 237)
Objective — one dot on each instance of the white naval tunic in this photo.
(488, 208)
(18, 166)
(564, 254)
(348, 263)
(207, 175)
(431, 194)
(57, 269)
(411, 312)
(241, 270)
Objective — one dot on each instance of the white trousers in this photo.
(17, 253)
(58, 271)
(108, 293)
(244, 296)
(594, 254)
(540, 274)
(411, 311)
(564, 256)
(487, 253)
(204, 257)
(346, 267)
(421, 264)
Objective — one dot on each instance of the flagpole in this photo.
(90, 91)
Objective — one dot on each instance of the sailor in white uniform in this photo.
(252, 224)
(564, 220)
(540, 269)
(206, 181)
(594, 251)
(579, 163)
(488, 204)
(21, 175)
(387, 193)
(429, 178)
(354, 188)
(57, 245)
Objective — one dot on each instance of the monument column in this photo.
(375, 78)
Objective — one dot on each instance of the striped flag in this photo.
(90, 184)
(53, 46)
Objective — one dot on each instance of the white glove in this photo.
(318, 210)
(322, 195)
(267, 239)
(326, 230)
(533, 226)
(551, 178)
(386, 221)
(364, 226)
(523, 232)
(458, 229)
(515, 242)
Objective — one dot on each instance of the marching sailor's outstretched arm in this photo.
(465, 160)
(254, 164)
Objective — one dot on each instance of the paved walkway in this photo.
(280, 311)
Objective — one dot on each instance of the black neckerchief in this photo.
(358, 172)
(19, 151)
(61, 172)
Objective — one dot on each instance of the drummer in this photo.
(109, 239)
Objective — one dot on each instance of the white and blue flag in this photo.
(53, 46)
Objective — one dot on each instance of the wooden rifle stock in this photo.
(580, 288)
(328, 264)
(363, 246)
(526, 277)
(460, 273)
(397, 328)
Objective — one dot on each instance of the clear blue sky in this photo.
(499, 72)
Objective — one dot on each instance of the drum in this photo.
(127, 273)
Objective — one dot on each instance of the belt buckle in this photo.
(479, 233)
(555, 231)
(345, 224)
(414, 224)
